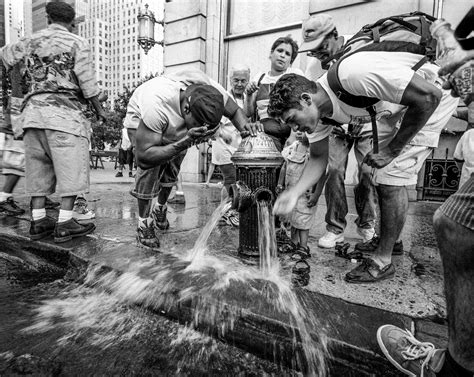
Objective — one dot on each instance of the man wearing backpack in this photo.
(322, 41)
(411, 109)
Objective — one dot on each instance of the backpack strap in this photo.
(375, 135)
(342, 94)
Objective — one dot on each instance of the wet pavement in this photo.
(349, 313)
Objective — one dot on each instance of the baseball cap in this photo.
(315, 30)
(206, 104)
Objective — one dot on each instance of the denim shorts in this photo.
(149, 182)
(56, 161)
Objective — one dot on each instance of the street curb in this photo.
(351, 328)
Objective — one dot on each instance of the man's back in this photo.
(54, 61)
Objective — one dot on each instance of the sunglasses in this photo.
(323, 47)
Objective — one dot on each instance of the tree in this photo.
(111, 131)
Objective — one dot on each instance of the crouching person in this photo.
(59, 77)
(165, 116)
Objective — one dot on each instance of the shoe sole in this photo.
(394, 253)
(70, 237)
(369, 282)
(36, 237)
(388, 356)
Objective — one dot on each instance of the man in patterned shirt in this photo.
(57, 67)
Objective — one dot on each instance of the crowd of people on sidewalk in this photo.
(387, 104)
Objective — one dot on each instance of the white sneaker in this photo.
(329, 240)
(366, 234)
(81, 212)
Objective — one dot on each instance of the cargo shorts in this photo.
(56, 161)
(149, 182)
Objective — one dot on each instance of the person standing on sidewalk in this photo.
(60, 78)
(322, 41)
(165, 116)
(125, 155)
(411, 111)
(453, 224)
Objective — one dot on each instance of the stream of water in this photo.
(218, 288)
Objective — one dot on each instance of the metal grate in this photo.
(441, 178)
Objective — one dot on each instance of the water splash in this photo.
(200, 246)
(267, 239)
(219, 291)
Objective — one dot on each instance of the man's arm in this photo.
(151, 151)
(421, 99)
(312, 173)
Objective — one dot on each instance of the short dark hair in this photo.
(289, 41)
(286, 94)
(59, 11)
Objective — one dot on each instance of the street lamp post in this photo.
(146, 29)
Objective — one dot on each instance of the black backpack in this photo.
(408, 32)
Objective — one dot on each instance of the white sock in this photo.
(4, 196)
(38, 214)
(64, 215)
(179, 193)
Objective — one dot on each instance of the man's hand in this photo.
(102, 116)
(197, 132)
(251, 129)
(381, 159)
(338, 131)
(285, 203)
(312, 200)
(251, 88)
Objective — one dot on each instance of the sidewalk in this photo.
(350, 313)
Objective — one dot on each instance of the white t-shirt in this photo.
(268, 82)
(125, 144)
(465, 152)
(157, 103)
(385, 75)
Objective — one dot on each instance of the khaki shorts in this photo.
(13, 161)
(56, 162)
(403, 171)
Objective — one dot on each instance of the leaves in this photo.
(110, 132)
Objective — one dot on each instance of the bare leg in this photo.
(210, 173)
(393, 209)
(10, 182)
(144, 208)
(456, 246)
(304, 233)
(164, 194)
(38, 202)
(67, 202)
(295, 237)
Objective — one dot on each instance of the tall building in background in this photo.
(111, 27)
(27, 17)
(14, 22)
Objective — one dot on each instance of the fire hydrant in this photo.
(257, 162)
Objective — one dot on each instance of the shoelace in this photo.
(418, 350)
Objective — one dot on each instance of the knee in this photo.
(438, 221)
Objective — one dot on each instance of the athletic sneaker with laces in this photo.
(146, 237)
(70, 229)
(371, 245)
(9, 207)
(330, 239)
(409, 355)
(159, 216)
(366, 234)
(80, 212)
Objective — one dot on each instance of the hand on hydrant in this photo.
(251, 129)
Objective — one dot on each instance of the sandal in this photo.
(342, 251)
(300, 273)
(301, 253)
